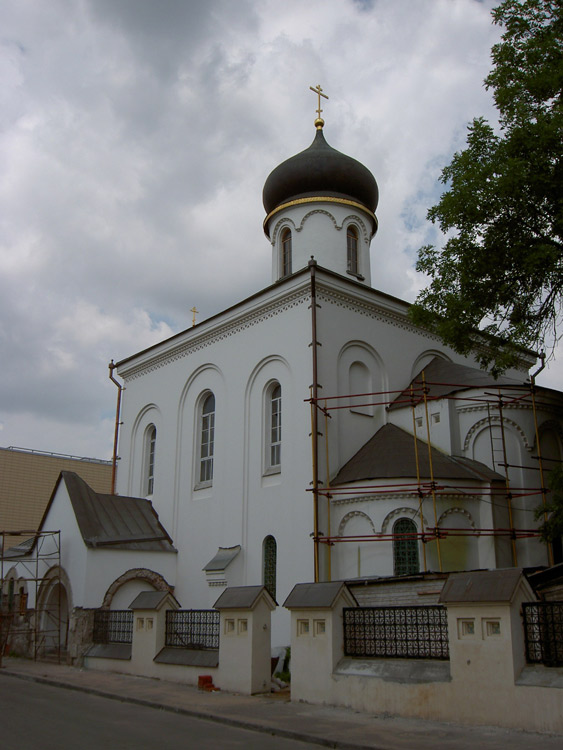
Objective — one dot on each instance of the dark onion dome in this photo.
(320, 171)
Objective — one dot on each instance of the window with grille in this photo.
(207, 439)
(270, 552)
(405, 548)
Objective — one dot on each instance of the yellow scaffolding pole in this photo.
(418, 478)
(543, 488)
(432, 484)
(507, 483)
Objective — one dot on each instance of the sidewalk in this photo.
(275, 714)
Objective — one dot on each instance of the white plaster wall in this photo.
(319, 230)
(60, 517)
(236, 355)
(244, 504)
(104, 566)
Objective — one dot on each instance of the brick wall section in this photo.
(27, 480)
(408, 591)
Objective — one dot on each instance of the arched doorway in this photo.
(53, 613)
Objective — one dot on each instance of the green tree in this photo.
(501, 268)
(551, 514)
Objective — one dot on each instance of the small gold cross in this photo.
(194, 311)
(319, 122)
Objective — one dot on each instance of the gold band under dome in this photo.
(320, 199)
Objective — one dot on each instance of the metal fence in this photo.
(396, 632)
(192, 628)
(113, 626)
(543, 633)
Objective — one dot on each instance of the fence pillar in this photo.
(317, 637)
(149, 628)
(485, 627)
(245, 639)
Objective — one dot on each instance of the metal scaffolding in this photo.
(34, 568)
(495, 401)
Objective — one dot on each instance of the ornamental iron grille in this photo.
(543, 633)
(270, 562)
(193, 628)
(405, 547)
(113, 626)
(396, 632)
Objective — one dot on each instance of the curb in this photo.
(195, 714)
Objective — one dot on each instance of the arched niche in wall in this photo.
(496, 443)
(361, 371)
(267, 395)
(205, 381)
(124, 589)
(425, 358)
(459, 548)
(144, 451)
(362, 556)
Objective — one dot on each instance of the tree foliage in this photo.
(501, 268)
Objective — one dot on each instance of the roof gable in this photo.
(390, 454)
(115, 521)
(444, 378)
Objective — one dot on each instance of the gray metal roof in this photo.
(241, 597)
(390, 454)
(482, 586)
(149, 600)
(115, 521)
(222, 559)
(315, 595)
(444, 378)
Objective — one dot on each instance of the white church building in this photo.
(309, 432)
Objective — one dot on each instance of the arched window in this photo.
(352, 249)
(274, 427)
(270, 553)
(207, 439)
(285, 252)
(405, 548)
(150, 448)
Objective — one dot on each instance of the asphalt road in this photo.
(42, 717)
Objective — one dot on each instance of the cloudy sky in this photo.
(135, 138)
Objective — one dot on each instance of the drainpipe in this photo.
(112, 367)
(314, 417)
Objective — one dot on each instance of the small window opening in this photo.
(207, 439)
(352, 247)
(286, 248)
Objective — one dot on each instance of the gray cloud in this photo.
(135, 140)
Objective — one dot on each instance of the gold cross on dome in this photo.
(319, 122)
(193, 311)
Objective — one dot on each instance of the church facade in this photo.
(312, 432)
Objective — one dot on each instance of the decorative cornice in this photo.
(370, 310)
(460, 511)
(496, 420)
(320, 199)
(407, 495)
(412, 513)
(218, 333)
(355, 514)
